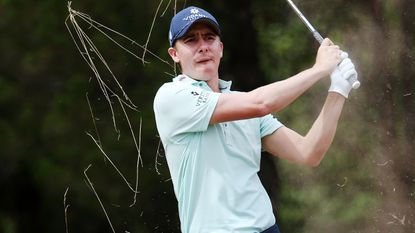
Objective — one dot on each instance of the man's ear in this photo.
(173, 54)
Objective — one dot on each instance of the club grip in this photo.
(355, 82)
(318, 37)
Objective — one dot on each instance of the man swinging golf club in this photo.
(213, 136)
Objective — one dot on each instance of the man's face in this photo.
(199, 52)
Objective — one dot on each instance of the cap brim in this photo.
(212, 24)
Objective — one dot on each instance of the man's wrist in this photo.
(338, 92)
(336, 95)
(319, 72)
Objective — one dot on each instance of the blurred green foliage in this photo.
(366, 183)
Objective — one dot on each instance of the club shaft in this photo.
(310, 27)
(317, 36)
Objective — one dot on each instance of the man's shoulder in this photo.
(171, 91)
(173, 87)
(166, 89)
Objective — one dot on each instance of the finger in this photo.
(344, 55)
(335, 51)
(350, 75)
(339, 58)
(327, 42)
(346, 64)
(354, 82)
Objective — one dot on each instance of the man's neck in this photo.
(214, 84)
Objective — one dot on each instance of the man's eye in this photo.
(187, 40)
(212, 37)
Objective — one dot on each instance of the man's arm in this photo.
(276, 96)
(264, 100)
(310, 149)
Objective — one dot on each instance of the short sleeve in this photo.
(183, 108)
(268, 125)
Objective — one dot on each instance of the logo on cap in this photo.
(184, 19)
(195, 14)
(194, 11)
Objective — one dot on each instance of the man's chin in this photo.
(204, 76)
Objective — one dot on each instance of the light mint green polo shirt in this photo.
(213, 167)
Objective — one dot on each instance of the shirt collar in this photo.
(224, 86)
(184, 79)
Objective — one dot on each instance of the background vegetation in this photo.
(366, 183)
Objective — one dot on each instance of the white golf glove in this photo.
(343, 77)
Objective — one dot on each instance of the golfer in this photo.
(213, 136)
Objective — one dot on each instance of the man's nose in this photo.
(204, 46)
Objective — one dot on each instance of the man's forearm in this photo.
(276, 96)
(321, 134)
(264, 100)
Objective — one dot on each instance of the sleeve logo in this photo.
(203, 98)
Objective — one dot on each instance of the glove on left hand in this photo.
(340, 78)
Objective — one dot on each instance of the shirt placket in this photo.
(226, 132)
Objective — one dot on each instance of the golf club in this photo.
(319, 38)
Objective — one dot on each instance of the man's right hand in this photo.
(328, 56)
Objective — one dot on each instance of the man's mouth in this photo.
(203, 60)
